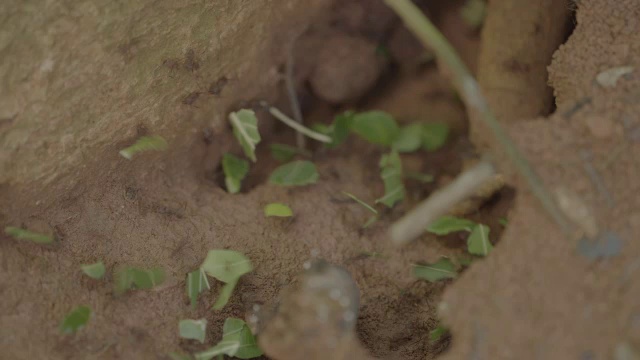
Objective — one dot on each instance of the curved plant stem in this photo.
(429, 35)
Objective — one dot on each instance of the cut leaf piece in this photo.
(130, 277)
(442, 269)
(225, 295)
(245, 129)
(391, 173)
(76, 319)
(235, 169)
(193, 329)
(340, 128)
(437, 333)
(197, 282)
(278, 209)
(296, 173)
(22, 234)
(226, 265)
(450, 224)
(284, 153)
(478, 242)
(377, 127)
(434, 136)
(147, 279)
(409, 138)
(95, 271)
(145, 143)
(237, 340)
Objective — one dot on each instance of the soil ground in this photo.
(535, 296)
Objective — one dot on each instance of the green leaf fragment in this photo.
(478, 241)
(284, 153)
(340, 128)
(147, 279)
(442, 269)
(434, 136)
(237, 341)
(22, 234)
(226, 265)
(503, 221)
(409, 138)
(75, 320)
(145, 143)
(197, 282)
(95, 271)
(391, 173)
(474, 12)
(278, 209)
(450, 224)
(377, 127)
(296, 173)
(193, 329)
(235, 169)
(225, 295)
(245, 129)
(437, 333)
(127, 278)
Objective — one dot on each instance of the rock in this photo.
(347, 67)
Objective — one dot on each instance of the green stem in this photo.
(471, 94)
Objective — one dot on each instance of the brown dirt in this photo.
(534, 297)
(167, 209)
(538, 296)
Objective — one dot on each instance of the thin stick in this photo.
(296, 126)
(293, 96)
(415, 222)
(470, 92)
(595, 177)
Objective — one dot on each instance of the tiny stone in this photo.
(306, 265)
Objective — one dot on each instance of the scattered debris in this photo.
(609, 78)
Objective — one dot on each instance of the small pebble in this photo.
(347, 67)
